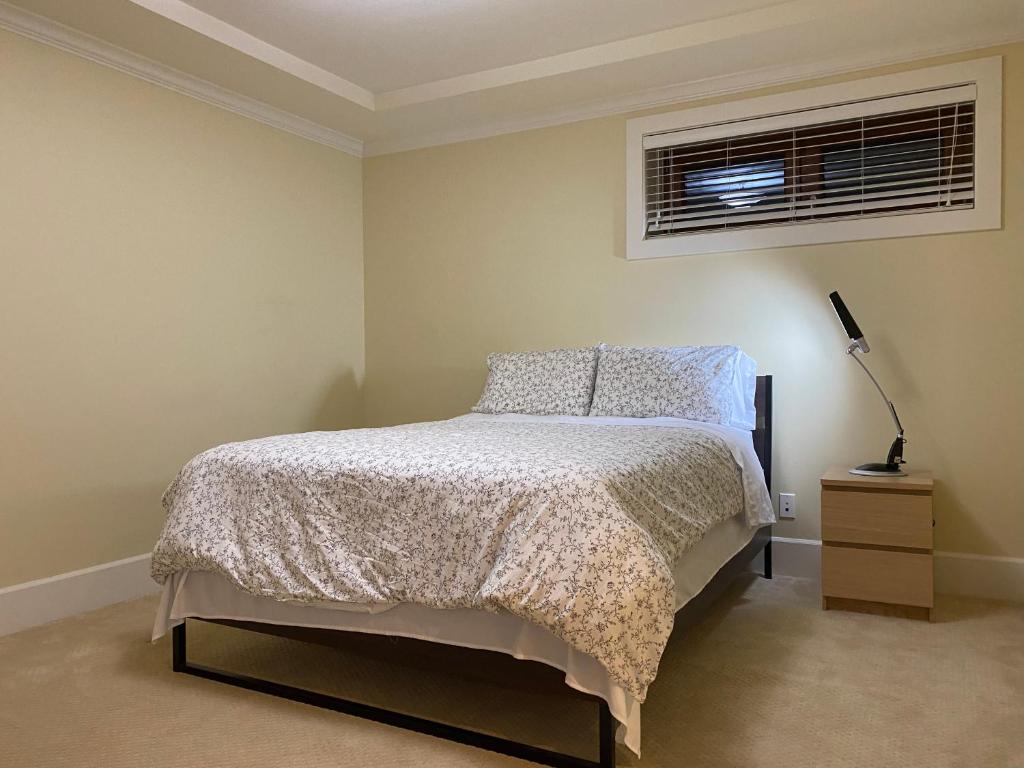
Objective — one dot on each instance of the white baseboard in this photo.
(956, 573)
(38, 602)
(796, 557)
(999, 578)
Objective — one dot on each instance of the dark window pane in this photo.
(891, 166)
(739, 186)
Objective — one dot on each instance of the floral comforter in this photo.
(573, 526)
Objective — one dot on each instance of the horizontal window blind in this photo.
(879, 164)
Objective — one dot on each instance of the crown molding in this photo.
(52, 33)
(787, 14)
(210, 26)
(723, 85)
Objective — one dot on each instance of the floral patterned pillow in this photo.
(557, 382)
(685, 382)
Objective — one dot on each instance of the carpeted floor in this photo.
(767, 679)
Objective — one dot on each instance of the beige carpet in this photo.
(768, 679)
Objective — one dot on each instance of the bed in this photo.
(573, 541)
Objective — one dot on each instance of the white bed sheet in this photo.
(206, 595)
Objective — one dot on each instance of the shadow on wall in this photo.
(341, 404)
(424, 393)
(950, 511)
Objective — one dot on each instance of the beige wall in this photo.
(172, 276)
(516, 242)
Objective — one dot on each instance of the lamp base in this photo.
(878, 469)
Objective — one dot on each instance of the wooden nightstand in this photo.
(876, 536)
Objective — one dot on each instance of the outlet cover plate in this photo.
(787, 506)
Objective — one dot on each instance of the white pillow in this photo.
(542, 383)
(744, 415)
(712, 384)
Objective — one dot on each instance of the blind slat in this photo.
(954, 192)
(959, 174)
(737, 153)
(960, 200)
(661, 169)
(868, 109)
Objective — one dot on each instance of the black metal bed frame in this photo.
(689, 615)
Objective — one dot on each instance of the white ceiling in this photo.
(383, 45)
(393, 74)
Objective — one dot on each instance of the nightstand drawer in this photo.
(871, 517)
(878, 575)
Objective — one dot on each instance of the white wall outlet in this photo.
(787, 506)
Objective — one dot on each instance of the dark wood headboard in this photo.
(763, 430)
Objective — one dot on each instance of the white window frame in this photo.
(784, 111)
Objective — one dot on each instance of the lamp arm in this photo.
(852, 352)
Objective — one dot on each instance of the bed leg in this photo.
(768, 559)
(178, 658)
(606, 736)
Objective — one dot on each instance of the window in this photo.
(877, 165)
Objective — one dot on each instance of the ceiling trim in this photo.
(782, 14)
(691, 91)
(52, 33)
(785, 14)
(233, 37)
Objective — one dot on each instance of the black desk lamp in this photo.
(891, 466)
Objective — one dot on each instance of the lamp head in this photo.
(852, 329)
